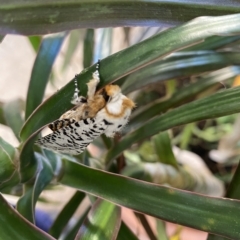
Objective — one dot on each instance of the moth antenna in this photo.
(75, 98)
(96, 74)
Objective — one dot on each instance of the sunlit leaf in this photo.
(35, 42)
(103, 222)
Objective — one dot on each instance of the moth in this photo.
(105, 111)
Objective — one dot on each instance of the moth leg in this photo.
(92, 84)
(77, 113)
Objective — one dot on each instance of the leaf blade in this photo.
(166, 203)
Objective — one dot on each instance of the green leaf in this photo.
(215, 237)
(88, 48)
(14, 226)
(182, 95)
(75, 37)
(215, 215)
(28, 162)
(66, 214)
(73, 229)
(125, 233)
(161, 230)
(47, 53)
(129, 60)
(178, 65)
(54, 159)
(220, 104)
(233, 191)
(35, 42)
(7, 168)
(163, 149)
(26, 204)
(46, 17)
(120, 64)
(10, 150)
(13, 115)
(103, 222)
(9, 175)
(2, 119)
(40, 73)
(213, 43)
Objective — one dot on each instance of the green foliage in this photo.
(202, 53)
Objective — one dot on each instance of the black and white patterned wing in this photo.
(74, 138)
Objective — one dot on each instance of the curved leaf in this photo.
(215, 215)
(73, 230)
(35, 42)
(163, 148)
(103, 222)
(14, 226)
(12, 114)
(182, 95)
(26, 204)
(66, 214)
(182, 64)
(120, 64)
(47, 17)
(11, 151)
(125, 233)
(213, 43)
(9, 175)
(129, 60)
(233, 191)
(47, 53)
(7, 168)
(217, 105)
(88, 48)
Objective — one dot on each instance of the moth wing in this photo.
(74, 138)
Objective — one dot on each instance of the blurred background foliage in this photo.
(182, 139)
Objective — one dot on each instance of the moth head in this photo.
(112, 91)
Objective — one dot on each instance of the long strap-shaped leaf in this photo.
(14, 226)
(45, 16)
(215, 215)
(220, 104)
(41, 70)
(120, 64)
(129, 60)
(103, 222)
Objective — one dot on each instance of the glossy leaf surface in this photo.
(166, 203)
(46, 17)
